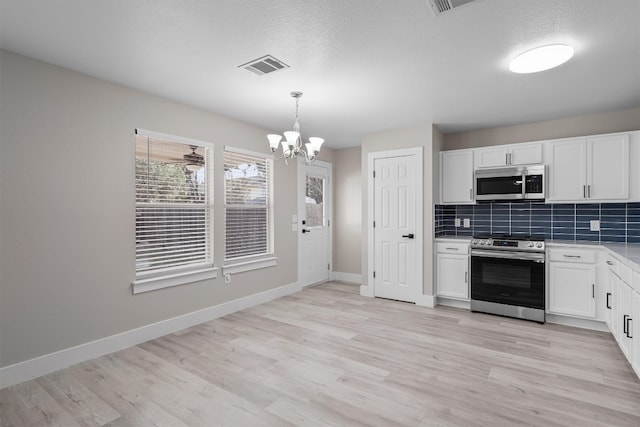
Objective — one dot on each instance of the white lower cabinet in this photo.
(572, 289)
(625, 319)
(572, 282)
(452, 270)
(635, 331)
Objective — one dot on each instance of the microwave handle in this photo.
(524, 185)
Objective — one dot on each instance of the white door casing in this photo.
(314, 232)
(395, 205)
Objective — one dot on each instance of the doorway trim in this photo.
(301, 185)
(368, 289)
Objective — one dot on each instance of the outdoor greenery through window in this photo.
(248, 205)
(173, 205)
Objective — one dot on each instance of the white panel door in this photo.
(395, 260)
(608, 166)
(314, 263)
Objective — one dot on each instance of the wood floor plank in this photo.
(328, 357)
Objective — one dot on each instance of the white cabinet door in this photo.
(635, 333)
(608, 167)
(452, 276)
(456, 177)
(625, 318)
(525, 154)
(568, 170)
(492, 157)
(611, 302)
(572, 289)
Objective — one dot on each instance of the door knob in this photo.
(409, 236)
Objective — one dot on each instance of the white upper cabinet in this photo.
(456, 177)
(509, 155)
(567, 170)
(589, 169)
(608, 166)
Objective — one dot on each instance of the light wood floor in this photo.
(326, 356)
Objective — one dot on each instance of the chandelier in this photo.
(292, 143)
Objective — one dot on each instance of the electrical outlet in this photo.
(466, 223)
(457, 222)
(227, 278)
(595, 224)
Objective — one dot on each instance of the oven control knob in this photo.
(530, 244)
(482, 242)
(538, 245)
(475, 242)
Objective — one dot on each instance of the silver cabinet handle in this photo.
(453, 249)
(471, 194)
(506, 158)
(589, 191)
(584, 191)
(466, 277)
(610, 262)
(572, 256)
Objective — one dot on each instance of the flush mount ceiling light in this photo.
(292, 144)
(541, 58)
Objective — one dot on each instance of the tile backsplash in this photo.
(619, 222)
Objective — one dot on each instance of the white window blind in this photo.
(248, 204)
(174, 205)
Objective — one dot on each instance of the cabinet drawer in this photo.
(572, 255)
(612, 264)
(452, 248)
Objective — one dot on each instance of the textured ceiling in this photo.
(364, 65)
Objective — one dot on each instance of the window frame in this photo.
(180, 275)
(257, 261)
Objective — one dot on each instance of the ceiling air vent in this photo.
(265, 65)
(441, 6)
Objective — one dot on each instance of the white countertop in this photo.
(630, 251)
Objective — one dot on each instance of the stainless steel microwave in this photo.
(519, 183)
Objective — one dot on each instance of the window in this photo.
(248, 205)
(314, 202)
(174, 205)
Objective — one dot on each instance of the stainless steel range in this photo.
(508, 276)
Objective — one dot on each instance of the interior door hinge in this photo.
(329, 267)
(374, 174)
(374, 274)
(374, 224)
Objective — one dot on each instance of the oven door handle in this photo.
(537, 257)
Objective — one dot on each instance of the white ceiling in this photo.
(364, 65)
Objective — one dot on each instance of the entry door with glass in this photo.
(314, 219)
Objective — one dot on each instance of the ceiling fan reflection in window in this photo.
(193, 161)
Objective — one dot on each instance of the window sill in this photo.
(254, 264)
(155, 283)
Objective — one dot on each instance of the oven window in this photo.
(508, 281)
(500, 185)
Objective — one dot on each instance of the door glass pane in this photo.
(314, 201)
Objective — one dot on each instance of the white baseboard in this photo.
(426, 301)
(366, 291)
(33, 368)
(454, 303)
(346, 277)
(595, 325)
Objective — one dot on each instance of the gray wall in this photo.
(592, 124)
(67, 246)
(348, 211)
(418, 136)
